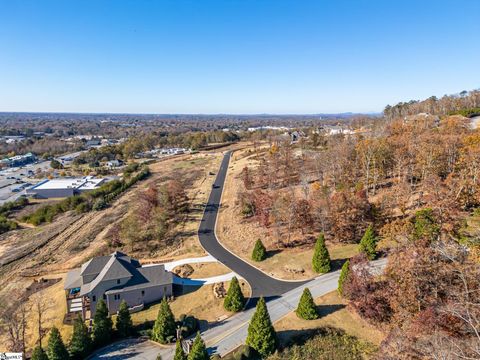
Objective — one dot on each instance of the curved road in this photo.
(224, 336)
(261, 283)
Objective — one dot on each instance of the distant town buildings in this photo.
(59, 188)
(18, 160)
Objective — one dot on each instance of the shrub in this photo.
(306, 306)
(164, 327)
(124, 324)
(234, 301)
(102, 324)
(343, 276)
(321, 257)
(259, 252)
(261, 334)
(368, 244)
(81, 343)
(56, 349)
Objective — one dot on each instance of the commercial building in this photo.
(58, 188)
(18, 160)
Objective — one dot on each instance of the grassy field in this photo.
(197, 301)
(333, 313)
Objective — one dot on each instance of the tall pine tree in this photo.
(164, 326)
(102, 324)
(259, 252)
(234, 301)
(321, 257)
(198, 350)
(56, 349)
(261, 334)
(343, 276)
(179, 354)
(124, 324)
(368, 244)
(39, 354)
(81, 343)
(306, 306)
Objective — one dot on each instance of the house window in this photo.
(143, 292)
(118, 281)
(94, 298)
(116, 297)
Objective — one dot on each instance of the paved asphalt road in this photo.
(261, 283)
(224, 336)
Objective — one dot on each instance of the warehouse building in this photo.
(59, 188)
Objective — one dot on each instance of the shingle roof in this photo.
(145, 277)
(117, 266)
(94, 265)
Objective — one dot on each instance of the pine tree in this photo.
(179, 354)
(56, 349)
(261, 334)
(343, 276)
(39, 354)
(198, 350)
(164, 326)
(124, 322)
(81, 343)
(234, 301)
(368, 244)
(321, 257)
(102, 324)
(259, 252)
(306, 306)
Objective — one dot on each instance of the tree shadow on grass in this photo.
(324, 310)
(337, 264)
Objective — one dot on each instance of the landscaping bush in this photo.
(259, 252)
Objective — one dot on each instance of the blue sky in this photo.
(245, 56)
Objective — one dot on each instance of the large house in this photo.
(115, 278)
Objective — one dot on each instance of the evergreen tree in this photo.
(368, 244)
(39, 354)
(56, 349)
(343, 276)
(259, 252)
(102, 324)
(306, 306)
(321, 257)
(198, 350)
(234, 301)
(81, 343)
(261, 334)
(124, 322)
(179, 354)
(165, 324)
